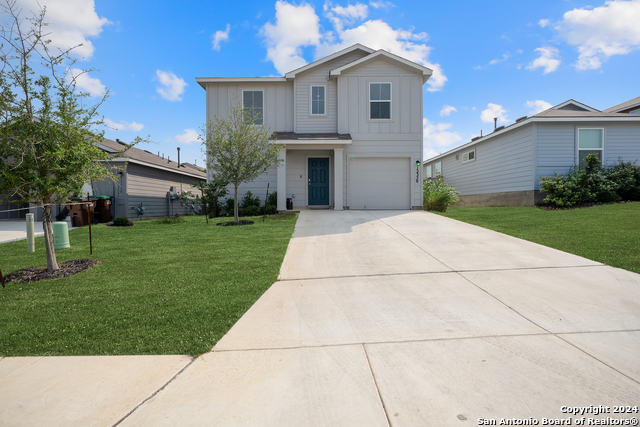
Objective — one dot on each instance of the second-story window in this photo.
(379, 101)
(253, 103)
(318, 94)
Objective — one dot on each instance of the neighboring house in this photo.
(350, 125)
(504, 167)
(146, 179)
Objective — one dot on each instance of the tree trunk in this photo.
(52, 263)
(235, 204)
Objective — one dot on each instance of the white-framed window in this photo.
(253, 103)
(437, 169)
(318, 100)
(590, 141)
(427, 172)
(469, 156)
(379, 101)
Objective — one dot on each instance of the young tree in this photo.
(238, 150)
(48, 134)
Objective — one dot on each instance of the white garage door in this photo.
(379, 183)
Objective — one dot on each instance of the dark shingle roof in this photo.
(631, 103)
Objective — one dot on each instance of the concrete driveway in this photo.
(390, 318)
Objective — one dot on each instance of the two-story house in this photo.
(350, 125)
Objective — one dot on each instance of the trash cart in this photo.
(103, 209)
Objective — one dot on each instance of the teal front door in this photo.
(318, 182)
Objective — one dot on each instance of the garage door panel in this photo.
(380, 183)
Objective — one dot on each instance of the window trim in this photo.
(311, 101)
(264, 116)
(578, 149)
(378, 100)
(467, 153)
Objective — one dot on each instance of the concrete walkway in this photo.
(379, 318)
(11, 230)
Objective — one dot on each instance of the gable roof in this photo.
(357, 46)
(147, 158)
(426, 72)
(572, 102)
(635, 102)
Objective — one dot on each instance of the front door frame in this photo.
(331, 177)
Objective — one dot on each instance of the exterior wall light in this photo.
(417, 171)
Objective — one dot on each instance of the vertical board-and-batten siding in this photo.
(503, 164)
(150, 186)
(278, 102)
(317, 76)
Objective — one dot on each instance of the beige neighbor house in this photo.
(350, 125)
(504, 167)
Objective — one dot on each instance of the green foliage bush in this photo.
(250, 200)
(121, 221)
(250, 211)
(228, 206)
(437, 195)
(270, 209)
(593, 183)
(272, 199)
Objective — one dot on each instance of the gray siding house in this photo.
(504, 167)
(351, 126)
(146, 179)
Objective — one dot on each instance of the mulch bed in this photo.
(586, 205)
(67, 268)
(241, 222)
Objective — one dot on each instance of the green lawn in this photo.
(609, 233)
(161, 288)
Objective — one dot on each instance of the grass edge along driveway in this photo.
(161, 288)
(609, 234)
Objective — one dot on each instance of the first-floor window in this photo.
(253, 104)
(438, 169)
(427, 172)
(590, 141)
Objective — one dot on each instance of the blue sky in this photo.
(502, 59)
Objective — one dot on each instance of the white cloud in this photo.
(340, 15)
(172, 86)
(438, 138)
(298, 26)
(295, 27)
(547, 60)
(85, 83)
(189, 136)
(123, 125)
(543, 22)
(219, 37)
(68, 29)
(598, 33)
(494, 110)
(381, 4)
(447, 110)
(504, 58)
(537, 106)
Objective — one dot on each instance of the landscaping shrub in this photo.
(627, 176)
(270, 209)
(228, 206)
(272, 199)
(250, 211)
(438, 195)
(250, 200)
(589, 184)
(121, 221)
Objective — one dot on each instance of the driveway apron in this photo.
(407, 318)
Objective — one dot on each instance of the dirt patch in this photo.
(241, 222)
(67, 268)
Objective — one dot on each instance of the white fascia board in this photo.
(315, 141)
(533, 120)
(150, 165)
(426, 72)
(202, 81)
(574, 102)
(357, 46)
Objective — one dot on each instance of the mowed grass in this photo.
(609, 233)
(161, 288)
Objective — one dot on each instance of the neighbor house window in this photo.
(318, 100)
(438, 169)
(379, 101)
(253, 104)
(590, 141)
(469, 156)
(635, 111)
(427, 172)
